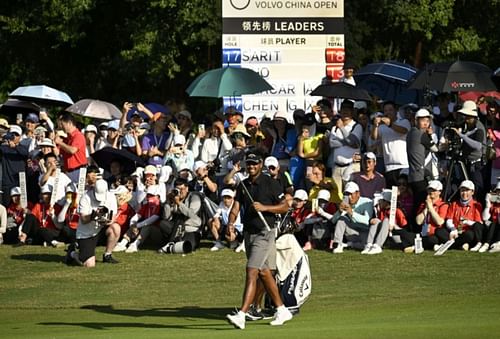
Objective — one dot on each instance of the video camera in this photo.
(454, 150)
(102, 215)
(8, 136)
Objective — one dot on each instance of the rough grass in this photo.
(148, 295)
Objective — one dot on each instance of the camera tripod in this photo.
(451, 171)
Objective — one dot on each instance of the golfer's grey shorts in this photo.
(261, 250)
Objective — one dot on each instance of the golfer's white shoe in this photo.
(282, 315)
(238, 319)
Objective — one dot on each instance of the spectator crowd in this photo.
(169, 181)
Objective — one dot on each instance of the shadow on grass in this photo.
(39, 257)
(188, 313)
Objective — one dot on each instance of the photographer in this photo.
(13, 159)
(464, 140)
(180, 220)
(97, 208)
(204, 181)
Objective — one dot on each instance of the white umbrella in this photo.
(42, 94)
(95, 109)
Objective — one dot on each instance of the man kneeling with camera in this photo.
(181, 223)
(97, 209)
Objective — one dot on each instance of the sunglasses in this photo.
(271, 168)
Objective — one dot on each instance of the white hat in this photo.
(280, 115)
(360, 105)
(15, 191)
(469, 108)
(375, 115)
(467, 184)
(150, 169)
(351, 187)
(370, 155)
(46, 189)
(435, 185)
(103, 124)
(386, 195)
(100, 190)
(114, 124)
(91, 128)
(199, 164)
(301, 195)
(271, 161)
(227, 192)
(119, 190)
(46, 142)
(153, 190)
(423, 113)
(144, 125)
(324, 194)
(40, 130)
(16, 129)
(179, 139)
(185, 113)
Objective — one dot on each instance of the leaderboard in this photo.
(291, 44)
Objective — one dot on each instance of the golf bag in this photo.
(294, 274)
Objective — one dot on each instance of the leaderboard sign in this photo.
(291, 44)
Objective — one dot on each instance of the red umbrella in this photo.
(476, 95)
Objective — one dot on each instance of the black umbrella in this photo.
(341, 90)
(455, 76)
(129, 161)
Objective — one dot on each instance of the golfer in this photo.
(260, 198)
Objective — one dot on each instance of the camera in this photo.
(102, 215)
(176, 192)
(495, 198)
(8, 136)
(454, 150)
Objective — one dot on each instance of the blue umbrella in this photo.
(152, 106)
(388, 80)
(42, 94)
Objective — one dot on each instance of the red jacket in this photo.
(458, 212)
(40, 212)
(441, 208)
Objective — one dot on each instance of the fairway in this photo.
(148, 295)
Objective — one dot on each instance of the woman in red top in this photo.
(39, 224)
(15, 215)
(431, 216)
(463, 221)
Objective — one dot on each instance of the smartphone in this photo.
(309, 171)
(19, 117)
(201, 127)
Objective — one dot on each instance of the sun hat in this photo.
(469, 108)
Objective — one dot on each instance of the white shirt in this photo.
(343, 155)
(394, 145)
(87, 204)
(64, 181)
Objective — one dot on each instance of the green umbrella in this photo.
(227, 81)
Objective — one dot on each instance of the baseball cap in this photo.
(100, 189)
(386, 195)
(324, 195)
(227, 192)
(351, 187)
(179, 139)
(185, 113)
(114, 124)
(370, 155)
(253, 158)
(435, 185)
(16, 129)
(301, 195)
(423, 113)
(469, 108)
(15, 191)
(46, 142)
(91, 128)
(467, 184)
(150, 169)
(199, 164)
(32, 117)
(271, 161)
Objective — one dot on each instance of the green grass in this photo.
(147, 295)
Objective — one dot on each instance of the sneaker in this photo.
(132, 248)
(495, 248)
(476, 248)
(484, 248)
(366, 249)
(409, 249)
(465, 247)
(376, 249)
(339, 248)
(241, 247)
(217, 246)
(307, 246)
(57, 244)
(120, 247)
(254, 314)
(108, 258)
(436, 247)
(237, 320)
(282, 315)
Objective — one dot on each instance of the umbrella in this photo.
(128, 160)
(388, 80)
(95, 109)
(228, 81)
(152, 106)
(341, 90)
(490, 95)
(42, 94)
(18, 106)
(455, 76)
(496, 77)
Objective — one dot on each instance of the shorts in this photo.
(87, 246)
(261, 250)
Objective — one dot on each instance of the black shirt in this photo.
(265, 190)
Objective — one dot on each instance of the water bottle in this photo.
(419, 248)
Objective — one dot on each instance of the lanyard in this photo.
(156, 140)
